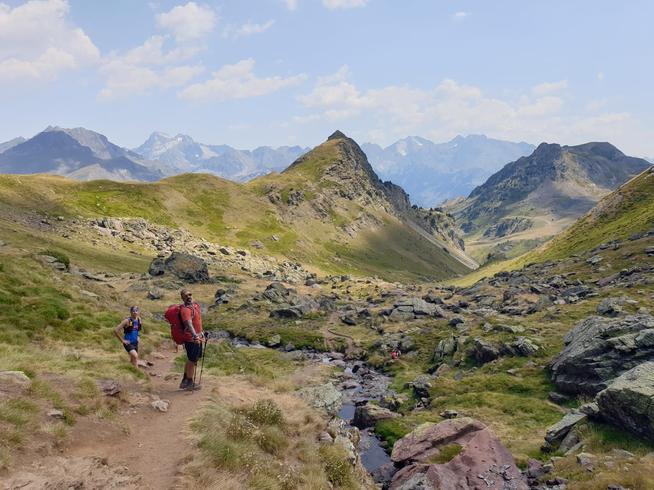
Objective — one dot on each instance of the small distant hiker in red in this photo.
(395, 354)
(130, 328)
(191, 317)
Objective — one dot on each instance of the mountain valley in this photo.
(309, 279)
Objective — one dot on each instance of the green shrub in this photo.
(265, 412)
(337, 468)
(447, 453)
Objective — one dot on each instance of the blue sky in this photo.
(274, 72)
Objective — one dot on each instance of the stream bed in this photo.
(358, 384)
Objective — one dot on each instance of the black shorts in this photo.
(130, 347)
(193, 351)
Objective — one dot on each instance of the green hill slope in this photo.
(627, 211)
(328, 210)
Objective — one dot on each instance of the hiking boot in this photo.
(192, 386)
(184, 384)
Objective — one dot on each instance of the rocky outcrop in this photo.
(470, 457)
(597, 350)
(288, 303)
(411, 308)
(187, 267)
(628, 402)
(508, 226)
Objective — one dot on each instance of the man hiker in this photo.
(131, 328)
(191, 317)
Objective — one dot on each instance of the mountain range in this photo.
(182, 153)
(430, 172)
(433, 172)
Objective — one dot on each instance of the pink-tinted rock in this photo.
(483, 463)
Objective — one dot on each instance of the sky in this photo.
(284, 72)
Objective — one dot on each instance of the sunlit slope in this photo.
(329, 229)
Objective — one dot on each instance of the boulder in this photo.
(628, 401)
(421, 385)
(610, 307)
(155, 293)
(186, 267)
(368, 415)
(483, 351)
(324, 397)
(597, 350)
(472, 458)
(157, 267)
(445, 348)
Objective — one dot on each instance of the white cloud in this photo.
(460, 15)
(147, 67)
(190, 21)
(237, 81)
(124, 79)
(550, 87)
(450, 108)
(600, 76)
(247, 29)
(344, 4)
(37, 41)
(290, 4)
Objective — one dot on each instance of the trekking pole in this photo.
(204, 353)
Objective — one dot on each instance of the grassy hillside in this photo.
(334, 234)
(627, 211)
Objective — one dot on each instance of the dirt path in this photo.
(154, 444)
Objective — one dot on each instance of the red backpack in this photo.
(174, 316)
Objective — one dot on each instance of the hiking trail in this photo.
(152, 444)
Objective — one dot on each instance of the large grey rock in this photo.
(445, 348)
(186, 267)
(597, 350)
(629, 401)
(325, 397)
(483, 351)
(482, 461)
(368, 415)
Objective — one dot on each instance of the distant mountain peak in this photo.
(337, 135)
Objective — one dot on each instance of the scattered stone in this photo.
(368, 415)
(13, 380)
(595, 259)
(349, 319)
(56, 414)
(557, 432)
(421, 385)
(110, 387)
(155, 293)
(449, 414)
(587, 461)
(274, 341)
(455, 321)
(160, 405)
(610, 306)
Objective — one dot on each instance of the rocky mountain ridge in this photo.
(77, 153)
(183, 154)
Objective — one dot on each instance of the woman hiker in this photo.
(131, 328)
